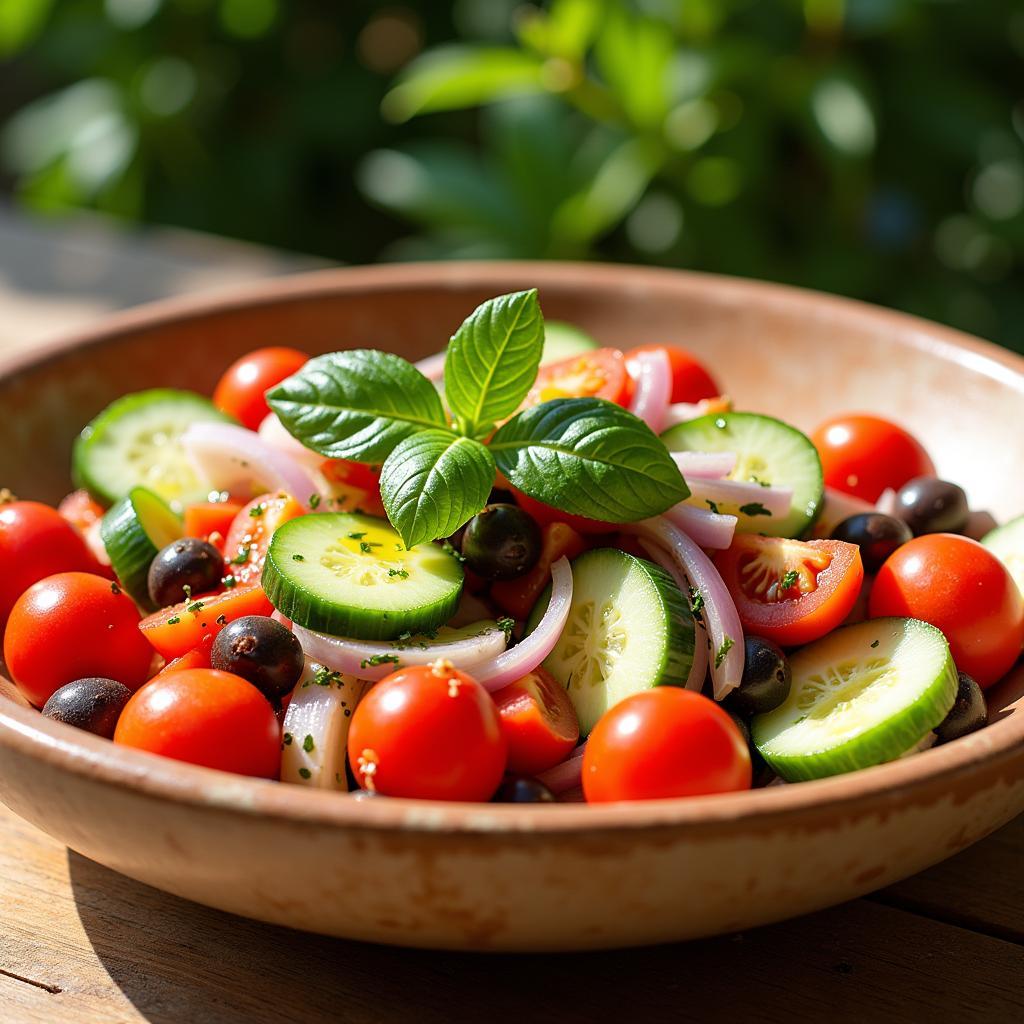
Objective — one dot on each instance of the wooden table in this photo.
(79, 943)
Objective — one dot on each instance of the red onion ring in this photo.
(709, 529)
(567, 774)
(433, 366)
(777, 500)
(653, 376)
(706, 465)
(272, 431)
(682, 412)
(886, 502)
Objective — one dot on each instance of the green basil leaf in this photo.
(492, 360)
(589, 457)
(357, 404)
(433, 482)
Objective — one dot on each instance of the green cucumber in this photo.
(562, 340)
(1006, 542)
(135, 442)
(768, 451)
(628, 629)
(134, 531)
(862, 695)
(351, 575)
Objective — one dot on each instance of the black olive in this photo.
(766, 679)
(741, 724)
(501, 542)
(928, 505)
(187, 563)
(968, 713)
(93, 704)
(499, 496)
(877, 536)
(261, 650)
(521, 789)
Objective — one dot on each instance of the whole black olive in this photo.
(877, 536)
(521, 789)
(741, 724)
(928, 505)
(766, 679)
(501, 542)
(187, 563)
(968, 713)
(261, 650)
(93, 704)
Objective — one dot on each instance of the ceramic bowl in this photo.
(464, 876)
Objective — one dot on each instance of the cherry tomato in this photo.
(35, 542)
(428, 732)
(71, 626)
(240, 392)
(791, 591)
(211, 520)
(597, 374)
(665, 742)
(204, 717)
(961, 588)
(544, 514)
(539, 722)
(175, 631)
(518, 596)
(81, 509)
(690, 381)
(248, 538)
(353, 485)
(863, 455)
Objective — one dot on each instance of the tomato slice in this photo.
(539, 722)
(198, 657)
(597, 374)
(691, 382)
(518, 596)
(176, 631)
(80, 509)
(353, 485)
(251, 530)
(791, 591)
(546, 514)
(211, 520)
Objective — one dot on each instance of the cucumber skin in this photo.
(874, 746)
(564, 340)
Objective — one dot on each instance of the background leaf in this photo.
(433, 482)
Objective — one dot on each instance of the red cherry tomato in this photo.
(962, 589)
(211, 520)
(597, 374)
(36, 541)
(690, 381)
(665, 742)
(71, 626)
(251, 530)
(240, 392)
(428, 732)
(545, 514)
(539, 722)
(791, 591)
(204, 717)
(175, 631)
(863, 455)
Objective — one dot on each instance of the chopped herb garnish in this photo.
(712, 505)
(228, 582)
(506, 625)
(757, 480)
(403, 573)
(754, 508)
(727, 645)
(257, 510)
(305, 773)
(314, 501)
(380, 659)
(307, 744)
(298, 558)
(288, 739)
(874, 643)
(115, 589)
(789, 580)
(367, 546)
(696, 601)
(174, 620)
(325, 677)
(356, 536)
(243, 555)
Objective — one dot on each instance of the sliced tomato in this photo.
(80, 509)
(176, 631)
(539, 722)
(691, 382)
(518, 596)
(198, 657)
(597, 374)
(211, 520)
(245, 549)
(791, 591)
(353, 485)
(546, 514)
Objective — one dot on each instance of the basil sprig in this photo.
(584, 456)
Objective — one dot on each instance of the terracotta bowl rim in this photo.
(999, 748)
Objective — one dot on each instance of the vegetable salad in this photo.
(527, 569)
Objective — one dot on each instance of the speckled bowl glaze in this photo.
(525, 877)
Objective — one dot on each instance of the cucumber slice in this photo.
(860, 696)
(135, 442)
(767, 451)
(134, 531)
(562, 340)
(1006, 542)
(351, 575)
(628, 629)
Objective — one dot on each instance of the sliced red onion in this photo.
(681, 412)
(533, 649)
(777, 500)
(653, 379)
(836, 507)
(355, 657)
(566, 775)
(709, 529)
(707, 465)
(886, 502)
(273, 432)
(718, 610)
(433, 366)
(238, 460)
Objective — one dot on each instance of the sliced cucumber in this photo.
(1006, 542)
(768, 451)
(860, 696)
(135, 442)
(351, 575)
(629, 629)
(562, 340)
(133, 531)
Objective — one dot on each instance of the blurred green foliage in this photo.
(869, 147)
